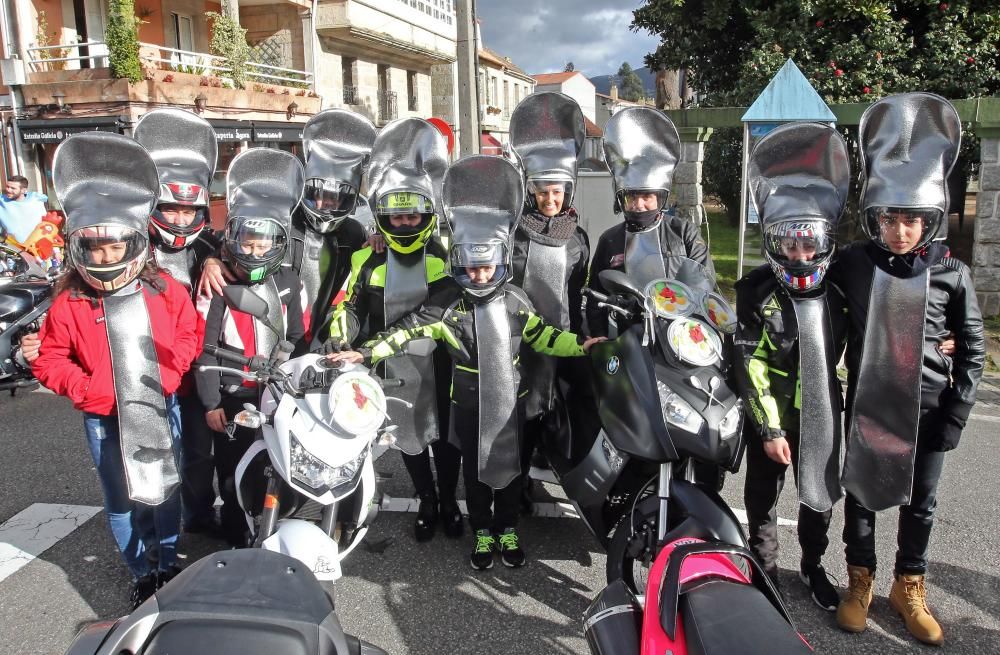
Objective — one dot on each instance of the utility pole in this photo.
(467, 89)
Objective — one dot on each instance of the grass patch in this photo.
(723, 242)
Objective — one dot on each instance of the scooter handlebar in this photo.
(226, 355)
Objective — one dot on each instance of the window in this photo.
(347, 67)
(506, 99)
(411, 89)
(493, 88)
(483, 89)
(183, 32)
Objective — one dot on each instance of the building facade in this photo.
(501, 86)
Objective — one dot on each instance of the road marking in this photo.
(35, 529)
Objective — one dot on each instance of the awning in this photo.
(284, 132)
(55, 130)
(489, 145)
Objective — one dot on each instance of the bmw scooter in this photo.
(24, 301)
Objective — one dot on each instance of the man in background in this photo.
(21, 210)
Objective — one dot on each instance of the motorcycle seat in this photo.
(233, 637)
(722, 617)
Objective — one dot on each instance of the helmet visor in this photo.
(902, 230)
(329, 199)
(643, 200)
(799, 246)
(403, 202)
(479, 266)
(105, 245)
(256, 240)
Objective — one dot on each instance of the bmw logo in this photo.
(613, 364)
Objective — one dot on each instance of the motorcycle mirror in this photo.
(618, 282)
(242, 299)
(421, 347)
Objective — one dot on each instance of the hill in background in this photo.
(602, 83)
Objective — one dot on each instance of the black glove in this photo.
(949, 433)
(333, 346)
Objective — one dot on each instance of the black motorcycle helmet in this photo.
(255, 247)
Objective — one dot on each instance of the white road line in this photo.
(32, 531)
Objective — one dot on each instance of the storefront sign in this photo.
(231, 130)
(281, 132)
(56, 131)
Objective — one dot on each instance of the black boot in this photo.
(451, 518)
(427, 516)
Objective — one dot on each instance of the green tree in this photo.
(122, 36)
(229, 41)
(630, 84)
(851, 51)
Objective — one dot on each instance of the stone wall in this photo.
(687, 183)
(280, 27)
(986, 252)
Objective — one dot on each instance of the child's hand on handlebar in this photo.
(216, 419)
(591, 341)
(349, 356)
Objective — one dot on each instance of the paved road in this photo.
(424, 599)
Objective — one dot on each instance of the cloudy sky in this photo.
(541, 37)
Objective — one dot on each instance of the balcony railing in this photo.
(387, 109)
(351, 95)
(413, 103)
(171, 59)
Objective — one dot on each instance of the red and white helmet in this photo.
(108, 257)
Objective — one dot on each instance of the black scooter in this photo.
(660, 410)
(24, 300)
(235, 602)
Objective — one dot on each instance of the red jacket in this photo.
(75, 361)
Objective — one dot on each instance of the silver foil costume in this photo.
(642, 148)
(109, 179)
(483, 197)
(800, 173)
(409, 155)
(909, 144)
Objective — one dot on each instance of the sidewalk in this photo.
(988, 395)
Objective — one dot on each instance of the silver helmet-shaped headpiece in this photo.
(337, 144)
(642, 148)
(107, 185)
(263, 188)
(799, 177)
(407, 167)
(184, 148)
(547, 133)
(909, 143)
(483, 198)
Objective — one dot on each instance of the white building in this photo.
(501, 86)
(575, 85)
(387, 59)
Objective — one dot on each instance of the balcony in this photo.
(78, 75)
(387, 108)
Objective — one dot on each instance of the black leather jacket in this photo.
(947, 382)
(680, 238)
(767, 349)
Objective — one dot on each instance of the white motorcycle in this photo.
(308, 485)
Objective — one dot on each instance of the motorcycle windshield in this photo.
(690, 290)
(689, 272)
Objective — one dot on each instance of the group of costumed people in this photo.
(504, 303)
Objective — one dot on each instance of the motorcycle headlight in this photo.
(731, 423)
(316, 474)
(677, 411)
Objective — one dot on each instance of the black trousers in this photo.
(765, 479)
(197, 466)
(915, 519)
(488, 508)
(228, 452)
(447, 457)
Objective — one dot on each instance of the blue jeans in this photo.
(136, 527)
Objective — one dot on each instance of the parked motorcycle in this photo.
(24, 300)
(235, 602)
(661, 411)
(307, 485)
(681, 579)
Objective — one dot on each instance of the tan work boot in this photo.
(852, 613)
(909, 598)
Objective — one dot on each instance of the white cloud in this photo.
(542, 38)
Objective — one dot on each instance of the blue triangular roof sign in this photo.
(789, 97)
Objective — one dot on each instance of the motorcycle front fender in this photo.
(709, 511)
(308, 544)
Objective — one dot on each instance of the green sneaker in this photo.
(482, 554)
(511, 553)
